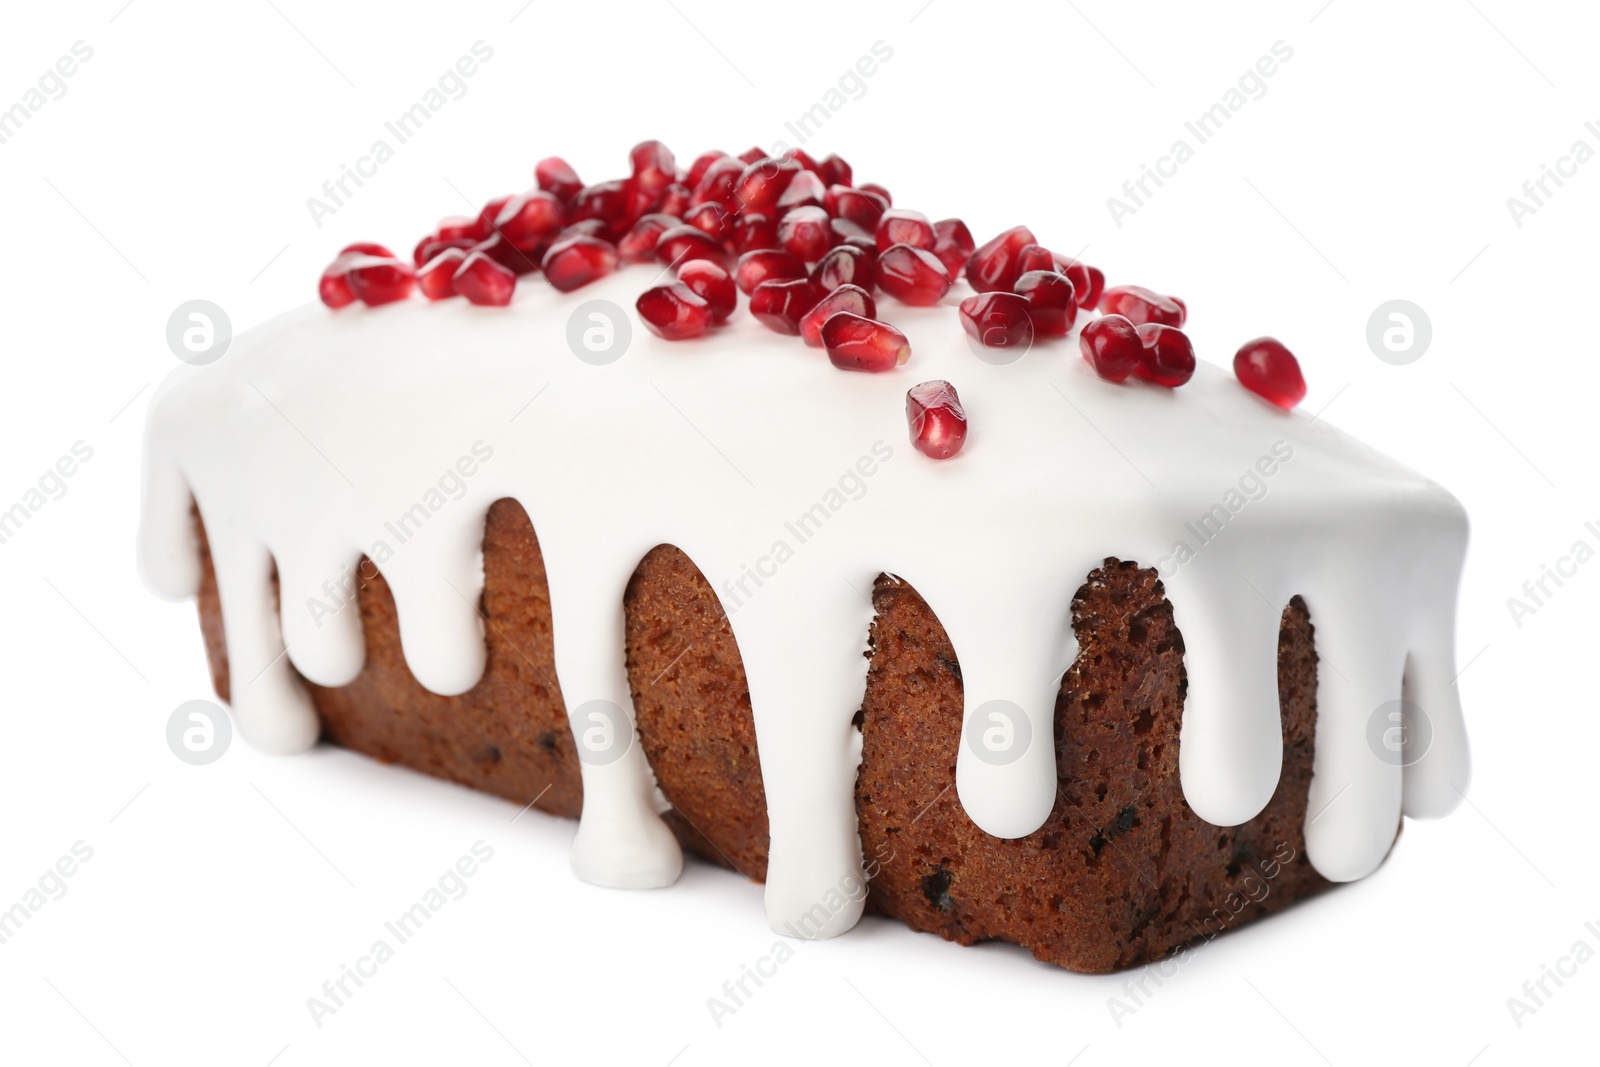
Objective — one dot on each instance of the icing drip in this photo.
(390, 431)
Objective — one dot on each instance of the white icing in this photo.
(319, 429)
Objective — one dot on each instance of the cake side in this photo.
(1122, 872)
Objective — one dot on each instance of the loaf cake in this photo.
(1039, 630)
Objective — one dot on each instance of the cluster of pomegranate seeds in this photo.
(809, 247)
(937, 421)
(1269, 370)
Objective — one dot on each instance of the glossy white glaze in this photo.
(792, 485)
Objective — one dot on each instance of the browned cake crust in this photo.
(1122, 872)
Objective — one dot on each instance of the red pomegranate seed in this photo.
(556, 176)
(366, 248)
(1183, 308)
(503, 252)
(876, 190)
(859, 206)
(432, 245)
(654, 168)
(639, 245)
(780, 305)
(682, 243)
(1051, 301)
(461, 228)
(609, 202)
(857, 343)
(717, 183)
(529, 220)
(994, 266)
(804, 233)
(952, 243)
(912, 275)
(483, 281)
(898, 226)
(998, 320)
(333, 288)
(585, 228)
(578, 260)
(675, 201)
(710, 217)
(833, 170)
(701, 164)
(377, 280)
(753, 231)
(1140, 305)
(1270, 371)
(851, 298)
(846, 265)
(712, 284)
(766, 265)
(845, 230)
(1096, 288)
(489, 213)
(1168, 357)
(752, 155)
(802, 157)
(806, 190)
(1112, 346)
(437, 277)
(1087, 282)
(1037, 257)
(674, 312)
(937, 420)
(762, 182)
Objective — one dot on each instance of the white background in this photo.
(1376, 166)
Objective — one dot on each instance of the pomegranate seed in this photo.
(781, 304)
(710, 217)
(994, 266)
(1036, 257)
(682, 243)
(802, 157)
(753, 231)
(857, 343)
(334, 286)
(701, 164)
(1140, 305)
(844, 230)
(376, 280)
(898, 226)
(998, 320)
(1183, 308)
(585, 228)
(556, 176)
(607, 201)
(712, 284)
(488, 215)
(1051, 301)
(952, 243)
(437, 278)
(1092, 296)
(578, 260)
(762, 182)
(859, 206)
(502, 252)
(462, 228)
(766, 265)
(366, 248)
(639, 245)
(804, 233)
(876, 190)
(483, 281)
(432, 245)
(937, 420)
(851, 298)
(1168, 357)
(833, 170)
(806, 190)
(1087, 282)
(846, 265)
(527, 221)
(912, 275)
(675, 201)
(1270, 371)
(1112, 346)
(674, 312)
(717, 183)
(752, 155)
(654, 168)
